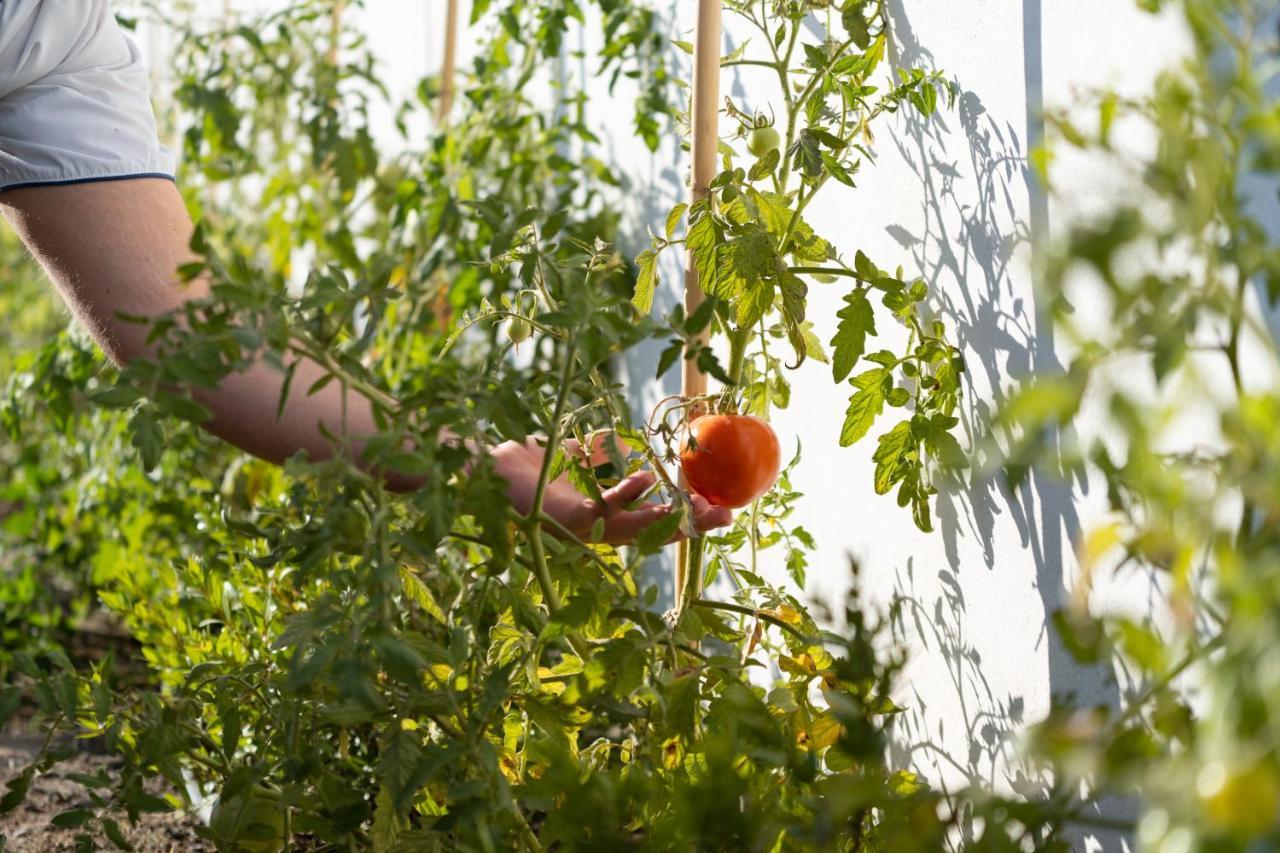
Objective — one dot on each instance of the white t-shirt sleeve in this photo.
(74, 105)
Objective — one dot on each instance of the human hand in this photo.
(519, 463)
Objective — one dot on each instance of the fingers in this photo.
(708, 517)
(599, 450)
(628, 490)
(623, 527)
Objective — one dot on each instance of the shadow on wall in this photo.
(967, 250)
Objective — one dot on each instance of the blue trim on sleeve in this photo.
(97, 180)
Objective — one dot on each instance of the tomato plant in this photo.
(342, 667)
(436, 670)
(755, 253)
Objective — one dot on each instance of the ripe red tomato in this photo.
(732, 460)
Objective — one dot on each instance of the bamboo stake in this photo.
(704, 133)
(450, 60)
(335, 30)
(440, 305)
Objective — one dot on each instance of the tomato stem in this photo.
(534, 519)
(692, 575)
(738, 340)
(751, 611)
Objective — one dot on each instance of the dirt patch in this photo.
(27, 828)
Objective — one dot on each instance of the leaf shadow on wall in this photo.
(968, 251)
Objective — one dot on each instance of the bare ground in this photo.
(27, 828)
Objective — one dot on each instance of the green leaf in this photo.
(807, 154)
(682, 706)
(398, 764)
(794, 291)
(942, 445)
(646, 281)
(115, 397)
(753, 254)
(1144, 646)
(388, 823)
(864, 406)
(115, 835)
(147, 437)
(702, 240)
(16, 790)
(904, 783)
(754, 302)
(765, 166)
(837, 171)
(857, 320)
(654, 537)
(864, 268)
(669, 357)
(674, 217)
(1106, 117)
(828, 139)
(853, 16)
(71, 819)
(920, 510)
(889, 452)
(709, 364)
(812, 344)
(230, 716)
(772, 210)
(420, 594)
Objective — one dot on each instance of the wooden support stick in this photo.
(450, 61)
(704, 132)
(335, 30)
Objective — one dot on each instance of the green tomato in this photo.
(250, 822)
(518, 330)
(762, 140)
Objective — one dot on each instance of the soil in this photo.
(27, 829)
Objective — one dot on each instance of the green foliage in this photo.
(755, 253)
(1182, 264)
(344, 667)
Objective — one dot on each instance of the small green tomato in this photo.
(518, 330)
(762, 140)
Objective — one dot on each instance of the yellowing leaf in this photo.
(824, 731)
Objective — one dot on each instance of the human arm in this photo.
(112, 250)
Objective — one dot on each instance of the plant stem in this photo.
(690, 578)
(738, 340)
(533, 521)
(760, 62)
(749, 611)
(826, 271)
(692, 575)
(1232, 351)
